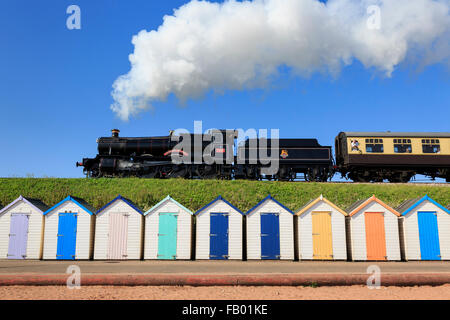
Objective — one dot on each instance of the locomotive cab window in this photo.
(431, 146)
(374, 146)
(402, 146)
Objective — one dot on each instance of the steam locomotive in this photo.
(360, 156)
(209, 156)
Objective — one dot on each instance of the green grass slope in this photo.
(195, 193)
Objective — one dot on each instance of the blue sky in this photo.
(55, 90)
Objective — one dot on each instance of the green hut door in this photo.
(167, 236)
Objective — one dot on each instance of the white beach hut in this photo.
(425, 229)
(270, 231)
(373, 231)
(118, 231)
(321, 231)
(69, 230)
(168, 231)
(21, 229)
(219, 229)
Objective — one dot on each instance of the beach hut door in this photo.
(67, 236)
(375, 236)
(118, 236)
(167, 236)
(429, 236)
(18, 236)
(270, 236)
(218, 237)
(322, 236)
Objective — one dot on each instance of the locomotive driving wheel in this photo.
(178, 171)
(151, 173)
(206, 172)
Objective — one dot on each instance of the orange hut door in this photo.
(375, 236)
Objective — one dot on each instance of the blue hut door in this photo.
(167, 236)
(18, 236)
(218, 237)
(270, 236)
(429, 236)
(67, 236)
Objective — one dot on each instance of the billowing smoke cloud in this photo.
(234, 45)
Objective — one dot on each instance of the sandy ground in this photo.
(223, 293)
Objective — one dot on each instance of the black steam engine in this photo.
(209, 156)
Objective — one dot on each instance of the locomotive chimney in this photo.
(115, 133)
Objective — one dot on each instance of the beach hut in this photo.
(373, 231)
(118, 231)
(425, 229)
(219, 230)
(321, 231)
(270, 231)
(168, 231)
(21, 229)
(69, 230)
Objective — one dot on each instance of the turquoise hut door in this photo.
(167, 236)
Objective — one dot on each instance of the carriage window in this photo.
(374, 146)
(402, 146)
(431, 146)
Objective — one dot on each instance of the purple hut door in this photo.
(18, 236)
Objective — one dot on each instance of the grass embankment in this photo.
(194, 194)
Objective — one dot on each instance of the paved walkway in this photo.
(219, 267)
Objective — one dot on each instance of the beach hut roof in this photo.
(312, 202)
(409, 205)
(35, 203)
(360, 204)
(119, 197)
(214, 201)
(269, 197)
(168, 198)
(78, 201)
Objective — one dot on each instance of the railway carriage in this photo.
(395, 156)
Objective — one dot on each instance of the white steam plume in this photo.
(234, 45)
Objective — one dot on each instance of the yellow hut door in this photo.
(322, 236)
